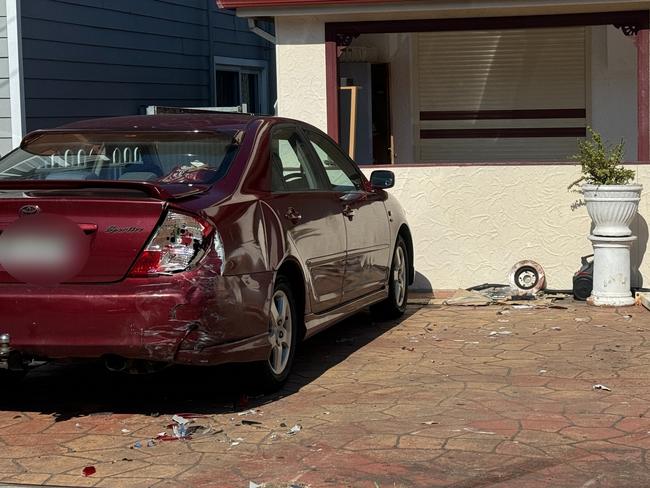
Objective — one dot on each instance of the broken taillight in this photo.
(176, 245)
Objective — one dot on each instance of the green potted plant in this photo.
(612, 201)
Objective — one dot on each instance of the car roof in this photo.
(167, 122)
(221, 122)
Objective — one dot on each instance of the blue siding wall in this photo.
(98, 58)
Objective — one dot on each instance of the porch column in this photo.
(301, 73)
(643, 94)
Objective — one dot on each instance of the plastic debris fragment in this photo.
(601, 387)
(250, 422)
(468, 298)
(476, 431)
(295, 429)
(89, 471)
(180, 428)
(252, 411)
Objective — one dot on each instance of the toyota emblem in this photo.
(29, 210)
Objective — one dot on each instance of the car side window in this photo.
(290, 167)
(340, 171)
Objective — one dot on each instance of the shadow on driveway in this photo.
(79, 389)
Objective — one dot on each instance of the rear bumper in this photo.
(190, 318)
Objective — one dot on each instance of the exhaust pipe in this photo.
(10, 359)
(115, 364)
(118, 364)
(5, 350)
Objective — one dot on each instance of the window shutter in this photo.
(501, 95)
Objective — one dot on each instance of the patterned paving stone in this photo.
(446, 397)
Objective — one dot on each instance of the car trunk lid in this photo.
(116, 219)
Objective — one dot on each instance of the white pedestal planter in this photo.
(611, 271)
(612, 208)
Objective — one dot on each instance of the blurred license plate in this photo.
(34, 250)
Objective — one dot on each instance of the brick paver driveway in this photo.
(445, 397)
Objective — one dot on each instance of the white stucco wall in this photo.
(300, 60)
(472, 223)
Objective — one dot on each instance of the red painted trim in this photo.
(643, 97)
(332, 84)
(638, 18)
(570, 113)
(502, 133)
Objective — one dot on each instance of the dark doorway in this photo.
(227, 84)
(382, 146)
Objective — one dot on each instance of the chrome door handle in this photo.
(348, 212)
(354, 196)
(293, 215)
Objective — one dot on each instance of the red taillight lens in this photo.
(177, 244)
(147, 264)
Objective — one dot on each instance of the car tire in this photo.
(284, 329)
(394, 305)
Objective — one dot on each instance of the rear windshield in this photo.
(161, 158)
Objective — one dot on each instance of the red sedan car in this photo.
(195, 239)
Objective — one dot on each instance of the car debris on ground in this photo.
(484, 295)
(295, 429)
(188, 427)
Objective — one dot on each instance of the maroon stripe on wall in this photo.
(569, 113)
(502, 133)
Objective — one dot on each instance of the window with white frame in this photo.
(241, 83)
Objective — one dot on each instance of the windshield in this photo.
(151, 157)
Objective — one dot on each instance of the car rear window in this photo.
(153, 157)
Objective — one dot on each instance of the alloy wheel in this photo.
(280, 332)
(399, 275)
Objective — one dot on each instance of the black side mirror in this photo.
(382, 179)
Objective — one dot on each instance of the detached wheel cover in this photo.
(528, 277)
